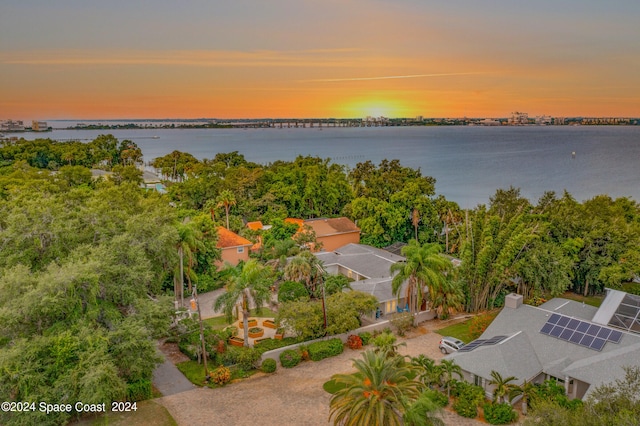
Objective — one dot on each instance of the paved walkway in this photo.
(288, 397)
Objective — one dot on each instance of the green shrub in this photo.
(466, 408)
(269, 365)
(325, 349)
(220, 376)
(271, 344)
(403, 322)
(230, 357)
(290, 358)
(291, 291)
(438, 398)
(247, 358)
(499, 414)
(139, 390)
(366, 337)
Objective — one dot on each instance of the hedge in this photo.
(290, 358)
(268, 365)
(324, 349)
(499, 414)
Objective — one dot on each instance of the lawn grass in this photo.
(148, 413)
(221, 322)
(459, 331)
(193, 371)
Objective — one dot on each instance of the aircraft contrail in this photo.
(389, 77)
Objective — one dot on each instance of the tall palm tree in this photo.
(249, 286)
(226, 199)
(448, 368)
(189, 242)
(424, 270)
(526, 390)
(503, 386)
(378, 393)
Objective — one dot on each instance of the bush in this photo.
(270, 344)
(247, 358)
(139, 391)
(354, 342)
(325, 349)
(290, 358)
(466, 408)
(438, 398)
(220, 376)
(292, 290)
(366, 337)
(499, 414)
(479, 324)
(269, 365)
(403, 322)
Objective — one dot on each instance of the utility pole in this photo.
(195, 302)
(324, 311)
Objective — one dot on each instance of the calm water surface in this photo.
(468, 163)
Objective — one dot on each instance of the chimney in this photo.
(513, 301)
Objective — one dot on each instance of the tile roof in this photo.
(228, 239)
(255, 226)
(325, 227)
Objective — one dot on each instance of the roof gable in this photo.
(325, 227)
(229, 239)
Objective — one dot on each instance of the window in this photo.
(477, 380)
(240, 249)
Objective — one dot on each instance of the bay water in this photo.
(469, 163)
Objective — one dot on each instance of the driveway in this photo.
(289, 396)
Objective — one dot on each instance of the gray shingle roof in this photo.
(530, 350)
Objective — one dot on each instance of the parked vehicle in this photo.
(450, 344)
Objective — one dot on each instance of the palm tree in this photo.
(449, 299)
(526, 390)
(429, 370)
(189, 242)
(503, 386)
(423, 412)
(226, 199)
(378, 393)
(249, 286)
(307, 269)
(423, 270)
(447, 369)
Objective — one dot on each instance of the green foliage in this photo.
(269, 365)
(365, 336)
(290, 358)
(466, 408)
(403, 322)
(247, 358)
(438, 398)
(291, 291)
(140, 390)
(335, 283)
(325, 349)
(499, 414)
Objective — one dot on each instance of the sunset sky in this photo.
(89, 59)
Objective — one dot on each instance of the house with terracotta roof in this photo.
(334, 233)
(233, 247)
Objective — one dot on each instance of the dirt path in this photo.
(289, 396)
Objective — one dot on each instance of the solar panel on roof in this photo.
(495, 340)
(566, 334)
(615, 336)
(604, 333)
(546, 328)
(573, 324)
(582, 327)
(586, 340)
(554, 318)
(593, 330)
(576, 337)
(597, 344)
(563, 321)
(556, 331)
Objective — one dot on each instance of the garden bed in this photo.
(236, 341)
(256, 332)
(269, 323)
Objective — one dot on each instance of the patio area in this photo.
(267, 331)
